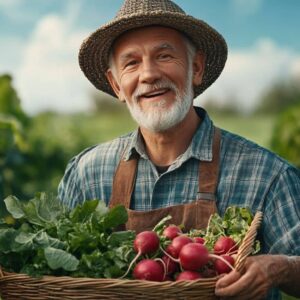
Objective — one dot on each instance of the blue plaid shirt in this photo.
(250, 176)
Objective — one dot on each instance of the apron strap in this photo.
(124, 182)
(209, 171)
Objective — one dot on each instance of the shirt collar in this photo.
(200, 147)
(135, 146)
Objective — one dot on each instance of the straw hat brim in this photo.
(94, 51)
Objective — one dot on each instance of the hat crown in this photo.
(130, 7)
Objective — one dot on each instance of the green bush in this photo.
(286, 135)
(280, 96)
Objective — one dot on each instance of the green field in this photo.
(256, 128)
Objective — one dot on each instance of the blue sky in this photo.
(39, 42)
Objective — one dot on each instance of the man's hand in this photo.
(260, 274)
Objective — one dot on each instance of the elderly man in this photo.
(157, 59)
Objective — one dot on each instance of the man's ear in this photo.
(114, 85)
(198, 68)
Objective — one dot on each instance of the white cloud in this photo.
(246, 7)
(8, 4)
(295, 69)
(49, 77)
(249, 72)
(11, 53)
(16, 10)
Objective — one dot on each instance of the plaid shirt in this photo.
(250, 176)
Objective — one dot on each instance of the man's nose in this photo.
(149, 72)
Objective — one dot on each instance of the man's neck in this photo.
(164, 147)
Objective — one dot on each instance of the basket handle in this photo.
(247, 245)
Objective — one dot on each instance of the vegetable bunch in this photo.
(41, 237)
(166, 253)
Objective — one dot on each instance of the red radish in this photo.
(171, 232)
(171, 265)
(193, 256)
(177, 243)
(146, 242)
(225, 245)
(172, 251)
(199, 240)
(188, 275)
(209, 272)
(148, 269)
(221, 267)
(168, 278)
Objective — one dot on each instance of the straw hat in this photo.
(94, 51)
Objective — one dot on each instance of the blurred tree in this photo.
(286, 135)
(9, 100)
(12, 137)
(280, 96)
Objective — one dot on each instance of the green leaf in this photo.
(43, 209)
(7, 238)
(63, 227)
(25, 241)
(119, 237)
(161, 224)
(58, 258)
(14, 206)
(83, 212)
(115, 217)
(113, 272)
(101, 209)
(48, 207)
(43, 240)
(31, 213)
(235, 223)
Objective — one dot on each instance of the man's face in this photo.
(152, 73)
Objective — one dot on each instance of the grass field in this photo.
(256, 128)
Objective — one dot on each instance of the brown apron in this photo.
(192, 215)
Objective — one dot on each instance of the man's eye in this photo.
(164, 56)
(131, 63)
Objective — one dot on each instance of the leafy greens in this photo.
(42, 237)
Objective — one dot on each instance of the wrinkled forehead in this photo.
(161, 34)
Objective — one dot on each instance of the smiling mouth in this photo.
(155, 93)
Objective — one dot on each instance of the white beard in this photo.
(159, 117)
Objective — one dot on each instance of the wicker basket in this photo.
(19, 286)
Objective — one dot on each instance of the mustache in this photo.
(148, 88)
